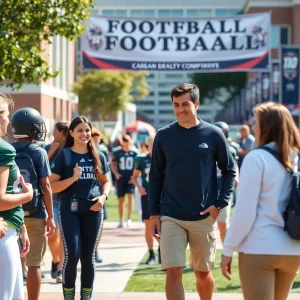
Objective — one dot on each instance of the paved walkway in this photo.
(153, 296)
(122, 250)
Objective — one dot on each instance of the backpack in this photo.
(291, 215)
(68, 156)
(27, 170)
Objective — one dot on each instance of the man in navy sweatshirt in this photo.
(184, 202)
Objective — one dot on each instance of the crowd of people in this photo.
(188, 177)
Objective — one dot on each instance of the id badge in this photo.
(74, 205)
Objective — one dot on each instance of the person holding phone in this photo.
(83, 188)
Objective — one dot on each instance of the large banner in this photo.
(290, 76)
(235, 43)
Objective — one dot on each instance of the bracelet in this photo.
(153, 217)
(105, 196)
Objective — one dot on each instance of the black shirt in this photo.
(183, 175)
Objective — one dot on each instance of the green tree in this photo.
(104, 92)
(27, 25)
(220, 87)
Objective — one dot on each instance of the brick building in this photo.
(285, 18)
(53, 98)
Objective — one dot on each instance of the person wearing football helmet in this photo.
(28, 126)
(27, 122)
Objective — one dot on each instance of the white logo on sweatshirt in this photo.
(203, 145)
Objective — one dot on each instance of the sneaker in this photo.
(129, 223)
(54, 270)
(98, 257)
(150, 260)
(59, 278)
(120, 225)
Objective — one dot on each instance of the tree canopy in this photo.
(220, 87)
(103, 92)
(28, 24)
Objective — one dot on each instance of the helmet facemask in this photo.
(38, 131)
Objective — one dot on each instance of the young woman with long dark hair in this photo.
(83, 185)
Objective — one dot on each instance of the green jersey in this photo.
(125, 161)
(15, 216)
(143, 163)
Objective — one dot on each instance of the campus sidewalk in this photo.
(122, 250)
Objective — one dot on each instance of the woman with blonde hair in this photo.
(11, 199)
(268, 258)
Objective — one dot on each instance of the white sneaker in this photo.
(129, 223)
(120, 225)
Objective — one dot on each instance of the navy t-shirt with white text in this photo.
(87, 186)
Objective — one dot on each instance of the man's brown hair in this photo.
(185, 88)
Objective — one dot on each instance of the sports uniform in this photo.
(143, 163)
(11, 277)
(125, 166)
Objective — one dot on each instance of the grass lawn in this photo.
(112, 209)
(151, 279)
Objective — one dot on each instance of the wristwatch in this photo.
(105, 196)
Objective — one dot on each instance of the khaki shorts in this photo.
(177, 234)
(36, 229)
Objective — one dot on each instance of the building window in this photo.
(226, 12)
(165, 112)
(142, 13)
(137, 13)
(284, 35)
(120, 13)
(177, 13)
(53, 58)
(168, 85)
(61, 62)
(145, 111)
(164, 13)
(280, 35)
(165, 102)
(144, 102)
(54, 108)
(67, 110)
(61, 109)
(199, 13)
(108, 13)
(164, 93)
(174, 76)
(149, 13)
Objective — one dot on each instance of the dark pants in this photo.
(80, 231)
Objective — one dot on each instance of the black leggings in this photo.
(80, 232)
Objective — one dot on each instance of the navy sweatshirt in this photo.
(183, 175)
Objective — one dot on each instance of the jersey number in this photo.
(147, 171)
(126, 163)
